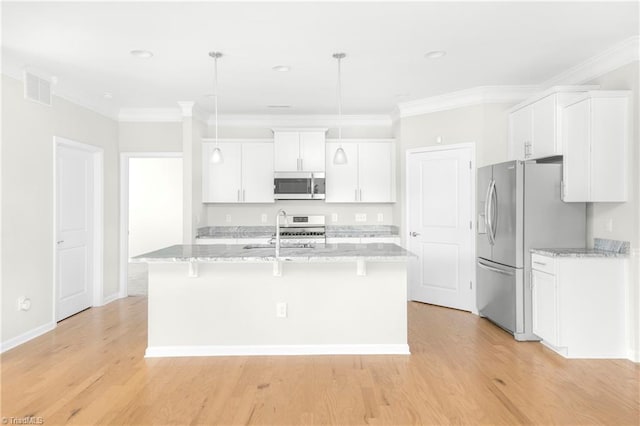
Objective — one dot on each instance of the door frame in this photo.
(124, 210)
(466, 145)
(97, 233)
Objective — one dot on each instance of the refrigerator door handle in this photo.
(488, 213)
(492, 269)
(494, 211)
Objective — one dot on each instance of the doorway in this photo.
(440, 206)
(151, 212)
(78, 225)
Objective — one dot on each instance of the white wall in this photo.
(28, 129)
(155, 204)
(150, 137)
(625, 216)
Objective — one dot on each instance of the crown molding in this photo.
(464, 98)
(158, 115)
(611, 59)
(285, 121)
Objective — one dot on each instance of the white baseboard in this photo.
(110, 298)
(634, 356)
(25, 337)
(250, 350)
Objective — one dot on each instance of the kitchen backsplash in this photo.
(252, 214)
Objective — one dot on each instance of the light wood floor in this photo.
(462, 370)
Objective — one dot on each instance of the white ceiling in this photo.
(86, 46)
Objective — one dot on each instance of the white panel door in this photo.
(257, 172)
(286, 151)
(440, 213)
(312, 151)
(222, 181)
(342, 179)
(374, 172)
(575, 167)
(74, 230)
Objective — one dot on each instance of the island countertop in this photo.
(238, 253)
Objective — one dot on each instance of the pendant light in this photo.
(216, 155)
(340, 157)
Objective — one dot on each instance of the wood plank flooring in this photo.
(463, 370)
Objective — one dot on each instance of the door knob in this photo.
(414, 234)
(60, 242)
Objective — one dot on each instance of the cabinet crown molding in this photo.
(552, 90)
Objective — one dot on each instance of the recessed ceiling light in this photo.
(282, 68)
(108, 95)
(142, 53)
(279, 106)
(435, 54)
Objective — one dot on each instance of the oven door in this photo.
(292, 186)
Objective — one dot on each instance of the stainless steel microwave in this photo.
(299, 185)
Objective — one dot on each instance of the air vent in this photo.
(36, 88)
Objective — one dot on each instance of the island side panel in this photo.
(230, 308)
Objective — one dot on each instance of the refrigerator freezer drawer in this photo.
(497, 293)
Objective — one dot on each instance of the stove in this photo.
(302, 229)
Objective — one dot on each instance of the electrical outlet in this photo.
(24, 303)
(263, 218)
(361, 217)
(380, 217)
(334, 217)
(281, 310)
(227, 218)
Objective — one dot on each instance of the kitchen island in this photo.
(207, 300)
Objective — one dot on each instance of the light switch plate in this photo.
(227, 218)
(361, 217)
(334, 217)
(380, 217)
(263, 218)
(281, 310)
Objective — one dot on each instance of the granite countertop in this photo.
(332, 231)
(577, 252)
(601, 248)
(237, 253)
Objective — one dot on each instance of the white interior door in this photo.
(439, 203)
(74, 230)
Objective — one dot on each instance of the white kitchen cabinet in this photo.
(579, 305)
(595, 132)
(299, 150)
(368, 176)
(243, 241)
(535, 125)
(245, 175)
(363, 240)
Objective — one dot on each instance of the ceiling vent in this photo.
(37, 88)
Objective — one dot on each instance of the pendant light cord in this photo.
(215, 93)
(340, 101)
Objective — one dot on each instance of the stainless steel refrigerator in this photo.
(519, 208)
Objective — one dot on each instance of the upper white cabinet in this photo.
(535, 125)
(245, 175)
(368, 176)
(595, 132)
(299, 150)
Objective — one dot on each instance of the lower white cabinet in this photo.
(579, 305)
(363, 240)
(207, 241)
(244, 176)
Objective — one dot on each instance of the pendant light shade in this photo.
(340, 157)
(216, 154)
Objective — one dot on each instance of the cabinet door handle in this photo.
(360, 194)
(301, 164)
(238, 196)
(356, 196)
(243, 199)
(540, 263)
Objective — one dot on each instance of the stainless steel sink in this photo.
(283, 246)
